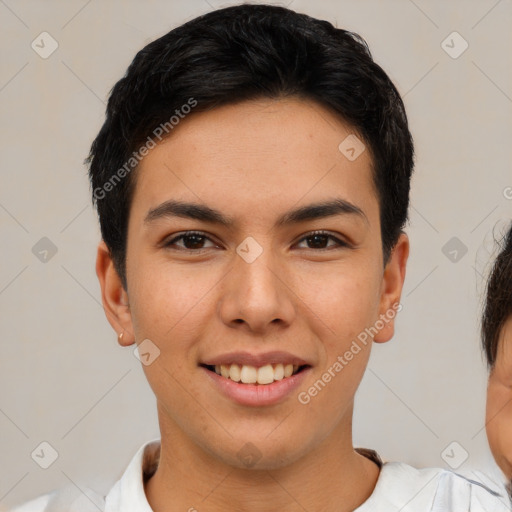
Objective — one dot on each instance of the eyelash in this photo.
(168, 244)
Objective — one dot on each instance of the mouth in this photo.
(257, 386)
(257, 379)
(262, 375)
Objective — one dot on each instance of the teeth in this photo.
(251, 375)
(266, 374)
(234, 372)
(248, 375)
(279, 372)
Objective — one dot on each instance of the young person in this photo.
(252, 184)
(497, 345)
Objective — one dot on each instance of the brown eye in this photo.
(319, 240)
(192, 241)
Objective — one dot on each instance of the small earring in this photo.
(121, 336)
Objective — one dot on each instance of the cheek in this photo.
(345, 305)
(347, 301)
(499, 425)
(169, 307)
(163, 294)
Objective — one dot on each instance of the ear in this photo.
(391, 291)
(114, 296)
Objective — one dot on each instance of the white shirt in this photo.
(399, 488)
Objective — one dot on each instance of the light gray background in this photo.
(63, 377)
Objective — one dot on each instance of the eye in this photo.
(192, 241)
(195, 241)
(319, 238)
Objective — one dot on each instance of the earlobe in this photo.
(392, 285)
(114, 297)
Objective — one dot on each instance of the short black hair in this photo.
(241, 53)
(498, 299)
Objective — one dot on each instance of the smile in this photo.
(261, 386)
(247, 374)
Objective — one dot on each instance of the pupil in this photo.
(197, 239)
(317, 238)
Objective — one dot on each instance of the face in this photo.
(499, 403)
(229, 262)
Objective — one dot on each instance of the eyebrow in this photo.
(196, 211)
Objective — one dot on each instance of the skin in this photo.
(255, 161)
(499, 403)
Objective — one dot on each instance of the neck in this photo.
(333, 478)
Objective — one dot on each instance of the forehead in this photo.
(256, 155)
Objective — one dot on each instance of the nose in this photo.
(256, 296)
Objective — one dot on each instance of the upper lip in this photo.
(245, 358)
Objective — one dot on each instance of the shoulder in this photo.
(67, 498)
(408, 489)
(126, 494)
(457, 490)
(38, 504)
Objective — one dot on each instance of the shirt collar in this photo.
(128, 493)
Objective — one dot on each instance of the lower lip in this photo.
(257, 394)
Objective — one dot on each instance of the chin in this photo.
(261, 455)
(263, 463)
